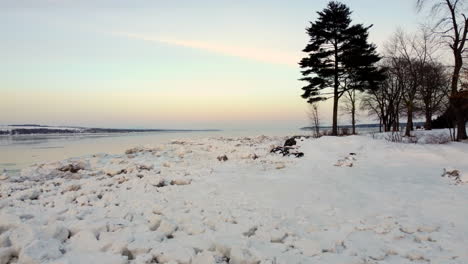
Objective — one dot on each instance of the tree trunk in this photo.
(394, 124)
(353, 120)
(386, 123)
(398, 121)
(428, 123)
(409, 123)
(458, 109)
(456, 72)
(461, 128)
(335, 95)
(335, 116)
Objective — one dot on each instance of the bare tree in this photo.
(414, 80)
(434, 91)
(386, 101)
(349, 106)
(452, 29)
(410, 55)
(393, 89)
(373, 102)
(314, 118)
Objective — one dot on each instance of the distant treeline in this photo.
(42, 130)
(417, 124)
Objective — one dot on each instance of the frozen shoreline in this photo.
(177, 203)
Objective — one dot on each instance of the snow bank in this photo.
(436, 136)
(177, 203)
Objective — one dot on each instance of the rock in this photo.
(180, 182)
(146, 167)
(280, 166)
(297, 154)
(250, 232)
(112, 171)
(253, 156)
(222, 158)
(456, 175)
(287, 151)
(250, 156)
(4, 177)
(40, 251)
(451, 173)
(290, 142)
(73, 167)
(134, 150)
(280, 150)
(72, 188)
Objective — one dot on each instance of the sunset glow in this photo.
(163, 65)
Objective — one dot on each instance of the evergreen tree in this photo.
(339, 58)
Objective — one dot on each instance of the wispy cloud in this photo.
(255, 54)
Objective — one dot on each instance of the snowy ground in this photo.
(177, 203)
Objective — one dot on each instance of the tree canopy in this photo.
(339, 57)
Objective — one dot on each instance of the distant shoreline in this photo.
(13, 130)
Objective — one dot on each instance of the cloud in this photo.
(254, 54)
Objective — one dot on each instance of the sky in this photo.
(167, 64)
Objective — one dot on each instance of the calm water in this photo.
(17, 152)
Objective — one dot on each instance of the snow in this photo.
(350, 199)
(436, 136)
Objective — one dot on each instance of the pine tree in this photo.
(339, 58)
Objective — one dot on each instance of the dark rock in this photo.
(223, 158)
(297, 154)
(280, 150)
(287, 151)
(73, 168)
(290, 142)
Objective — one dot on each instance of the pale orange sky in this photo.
(206, 64)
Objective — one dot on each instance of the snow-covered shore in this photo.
(177, 203)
